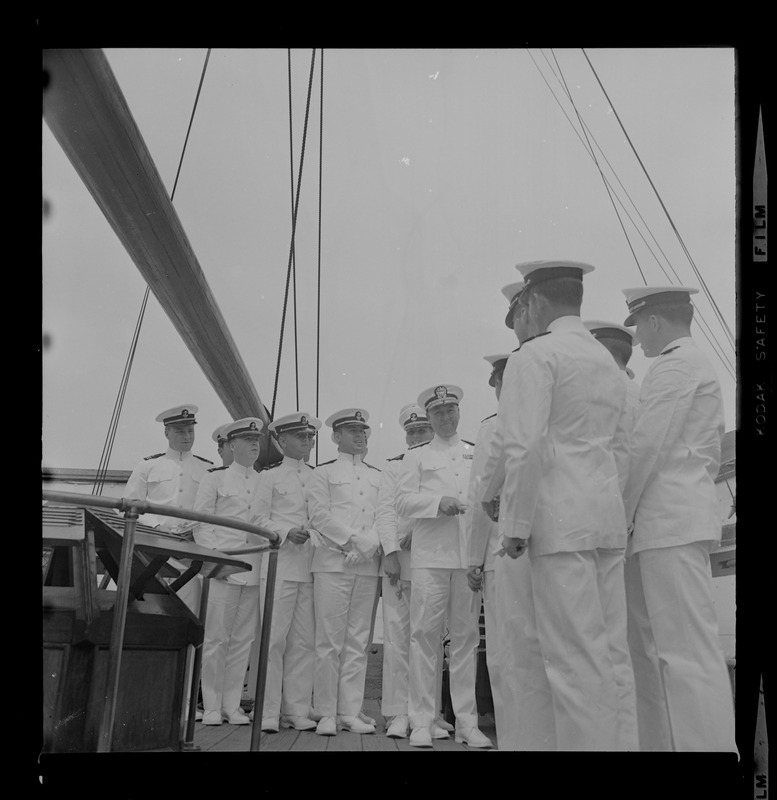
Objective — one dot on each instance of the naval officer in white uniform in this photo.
(484, 541)
(282, 507)
(342, 496)
(233, 602)
(524, 719)
(560, 410)
(432, 490)
(395, 535)
(172, 478)
(684, 698)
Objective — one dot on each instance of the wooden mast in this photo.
(86, 111)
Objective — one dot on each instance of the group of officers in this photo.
(581, 520)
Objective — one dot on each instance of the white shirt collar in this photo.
(442, 443)
(566, 323)
(178, 455)
(351, 459)
(244, 472)
(676, 343)
(294, 463)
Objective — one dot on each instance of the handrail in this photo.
(145, 507)
(132, 508)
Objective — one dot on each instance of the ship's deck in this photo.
(237, 738)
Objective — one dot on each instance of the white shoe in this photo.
(369, 720)
(440, 722)
(236, 717)
(298, 723)
(355, 725)
(438, 732)
(398, 727)
(474, 737)
(326, 727)
(270, 724)
(212, 718)
(420, 737)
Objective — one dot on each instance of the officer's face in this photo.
(297, 444)
(351, 439)
(226, 454)
(180, 437)
(444, 419)
(647, 334)
(418, 435)
(246, 449)
(498, 384)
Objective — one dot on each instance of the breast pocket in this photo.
(226, 491)
(160, 475)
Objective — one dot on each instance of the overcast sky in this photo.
(441, 170)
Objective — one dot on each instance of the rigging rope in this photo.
(294, 257)
(704, 326)
(295, 209)
(102, 468)
(668, 216)
(727, 364)
(320, 180)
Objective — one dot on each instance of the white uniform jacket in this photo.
(342, 498)
(561, 418)
(282, 505)
(483, 532)
(429, 472)
(675, 451)
(171, 478)
(391, 527)
(230, 492)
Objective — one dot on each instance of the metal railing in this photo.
(132, 508)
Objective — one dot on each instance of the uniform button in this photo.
(180, 490)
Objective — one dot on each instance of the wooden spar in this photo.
(86, 111)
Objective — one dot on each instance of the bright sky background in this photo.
(441, 170)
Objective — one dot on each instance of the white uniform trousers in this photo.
(343, 604)
(684, 698)
(396, 643)
(292, 652)
(524, 718)
(434, 592)
(230, 625)
(492, 639)
(580, 603)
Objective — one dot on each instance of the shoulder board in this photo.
(490, 416)
(396, 458)
(273, 466)
(416, 446)
(216, 469)
(206, 460)
(309, 466)
(326, 462)
(156, 455)
(370, 466)
(471, 444)
(670, 350)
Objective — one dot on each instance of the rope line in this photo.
(726, 362)
(294, 255)
(703, 324)
(320, 194)
(666, 211)
(102, 468)
(293, 232)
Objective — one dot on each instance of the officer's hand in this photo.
(298, 535)
(391, 567)
(491, 507)
(514, 547)
(475, 578)
(406, 541)
(450, 507)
